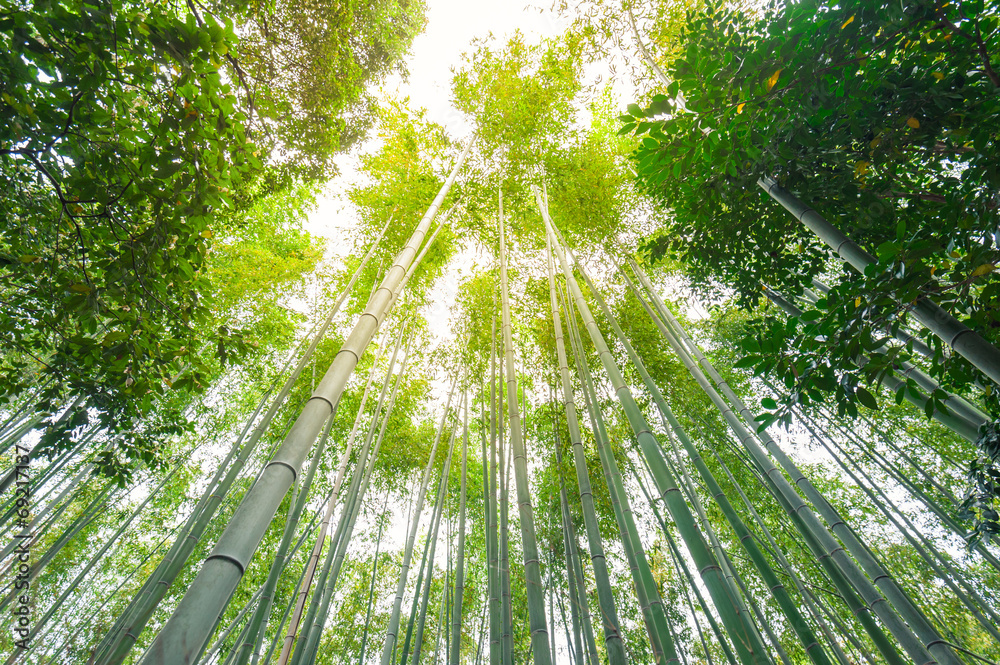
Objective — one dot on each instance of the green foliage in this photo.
(523, 100)
(120, 141)
(520, 98)
(403, 176)
(980, 503)
(150, 213)
(884, 117)
(307, 66)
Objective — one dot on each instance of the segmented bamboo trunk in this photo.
(432, 537)
(175, 560)
(529, 546)
(260, 616)
(419, 582)
(899, 334)
(185, 632)
(366, 461)
(647, 591)
(967, 343)
(914, 535)
(506, 611)
(456, 619)
(670, 423)
(492, 526)
(310, 568)
(572, 581)
(954, 418)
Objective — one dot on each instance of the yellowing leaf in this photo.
(207, 233)
(771, 82)
(860, 168)
(984, 269)
(937, 75)
(857, 302)
(848, 21)
(28, 258)
(955, 254)
(739, 107)
(876, 143)
(913, 122)
(933, 270)
(80, 288)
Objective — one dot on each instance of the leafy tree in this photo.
(137, 135)
(880, 116)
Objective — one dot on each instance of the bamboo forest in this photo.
(657, 332)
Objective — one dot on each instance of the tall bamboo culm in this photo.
(670, 423)
(392, 631)
(529, 546)
(647, 591)
(608, 610)
(967, 343)
(456, 618)
(187, 630)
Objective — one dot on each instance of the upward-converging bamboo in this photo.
(609, 613)
(738, 625)
(670, 423)
(184, 634)
(432, 540)
(647, 591)
(306, 652)
(392, 631)
(915, 634)
(815, 536)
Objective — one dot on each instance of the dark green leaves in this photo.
(866, 398)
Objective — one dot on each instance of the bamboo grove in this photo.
(515, 424)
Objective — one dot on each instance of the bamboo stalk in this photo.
(647, 593)
(966, 342)
(456, 617)
(184, 633)
(904, 620)
(529, 547)
(609, 613)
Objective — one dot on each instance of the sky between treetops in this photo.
(451, 27)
